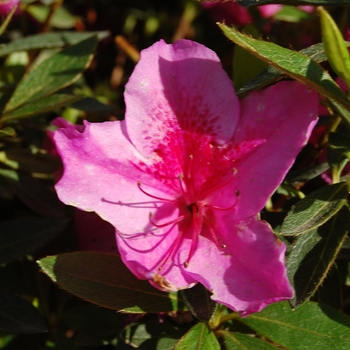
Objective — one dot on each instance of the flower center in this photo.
(196, 213)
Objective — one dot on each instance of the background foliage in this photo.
(72, 59)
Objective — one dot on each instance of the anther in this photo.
(223, 246)
(237, 193)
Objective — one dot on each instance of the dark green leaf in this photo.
(313, 255)
(53, 74)
(19, 316)
(48, 41)
(308, 173)
(37, 196)
(311, 326)
(93, 320)
(315, 209)
(292, 63)
(90, 105)
(248, 3)
(44, 105)
(199, 337)
(6, 189)
(149, 334)
(340, 143)
(25, 160)
(198, 302)
(24, 236)
(103, 279)
(239, 341)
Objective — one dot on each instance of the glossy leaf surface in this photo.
(104, 280)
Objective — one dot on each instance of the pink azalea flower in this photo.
(270, 10)
(228, 12)
(184, 176)
(6, 6)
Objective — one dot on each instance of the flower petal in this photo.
(101, 174)
(250, 274)
(280, 120)
(145, 255)
(179, 87)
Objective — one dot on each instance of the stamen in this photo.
(212, 234)
(170, 252)
(155, 197)
(220, 208)
(197, 222)
(175, 221)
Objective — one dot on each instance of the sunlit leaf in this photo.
(336, 50)
(41, 106)
(239, 341)
(53, 74)
(311, 326)
(48, 41)
(199, 337)
(292, 63)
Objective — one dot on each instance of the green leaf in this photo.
(41, 106)
(245, 65)
(25, 160)
(291, 14)
(239, 341)
(36, 195)
(151, 334)
(311, 326)
(93, 320)
(198, 301)
(313, 255)
(49, 41)
(24, 236)
(61, 18)
(315, 209)
(247, 3)
(19, 316)
(270, 74)
(53, 74)
(199, 337)
(336, 50)
(91, 105)
(104, 280)
(340, 143)
(292, 63)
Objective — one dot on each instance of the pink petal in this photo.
(280, 119)
(6, 6)
(144, 256)
(101, 174)
(269, 10)
(251, 274)
(179, 87)
(228, 12)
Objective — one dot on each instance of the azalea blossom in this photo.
(6, 6)
(183, 178)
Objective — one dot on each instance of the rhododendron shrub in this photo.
(183, 178)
